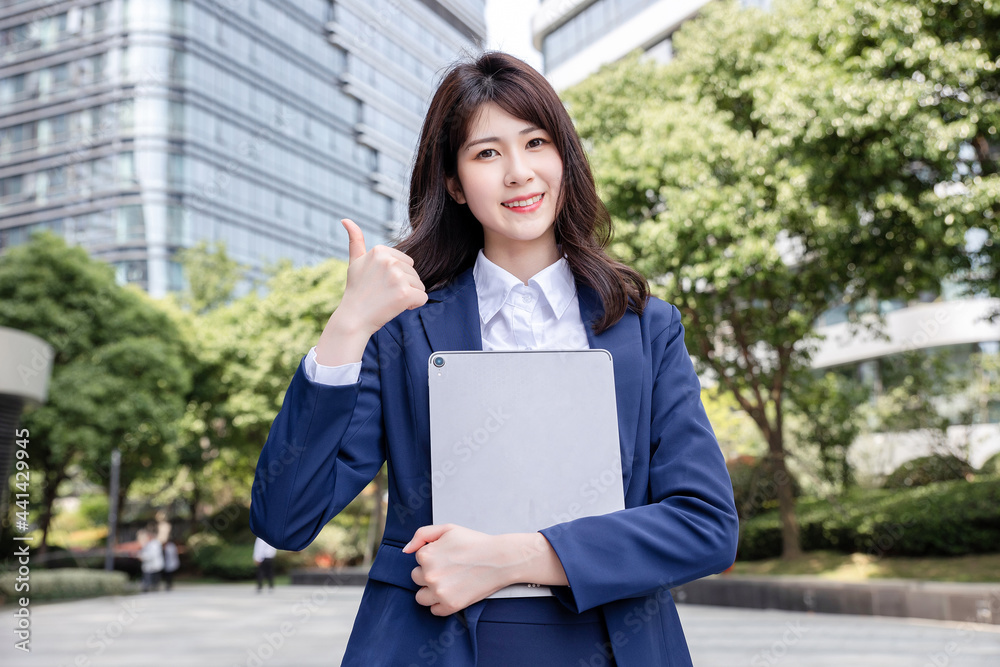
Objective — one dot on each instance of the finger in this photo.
(418, 576)
(419, 299)
(402, 257)
(426, 598)
(356, 239)
(407, 274)
(417, 284)
(426, 535)
(441, 609)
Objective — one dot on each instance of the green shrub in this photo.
(231, 523)
(94, 509)
(941, 519)
(927, 470)
(216, 558)
(336, 544)
(992, 465)
(67, 583)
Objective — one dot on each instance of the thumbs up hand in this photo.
(381, 283)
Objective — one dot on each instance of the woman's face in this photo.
(509, 173)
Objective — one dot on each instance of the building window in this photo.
(176, 225)
(175, 276)
(175, 169)
(126, 115)
(126, 169)
(59, 126)
(131, 226)
(60, 78)
(18, 38)
(14, 88)
(11, 186)
(178, 13)
(56, 178)
(18, 138)
(14, 236)
(175, 117)
(177, 66)
(131, 272)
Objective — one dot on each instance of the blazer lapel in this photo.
(451, 316)
(624, 341)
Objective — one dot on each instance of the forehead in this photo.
(492, 121)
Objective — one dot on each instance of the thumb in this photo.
(356, 239)
(426, 535)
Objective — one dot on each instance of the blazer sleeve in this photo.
(688, 529)
(326, 444)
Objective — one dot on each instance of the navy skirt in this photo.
(541, 631)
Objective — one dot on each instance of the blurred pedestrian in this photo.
(263, 556)
(171, 563)
(151, 554)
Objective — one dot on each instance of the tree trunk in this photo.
(195, 501)
(45, 516)
(790, 546)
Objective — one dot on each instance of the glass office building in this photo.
(138, 127)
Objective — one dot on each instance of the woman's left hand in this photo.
(457, 566)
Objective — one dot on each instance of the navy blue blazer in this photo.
(679, 522)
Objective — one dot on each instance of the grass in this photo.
(860, 567)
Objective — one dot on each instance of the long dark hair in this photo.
(445, 237)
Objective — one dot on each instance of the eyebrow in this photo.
(486, 140)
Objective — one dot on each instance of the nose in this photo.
(519, 169)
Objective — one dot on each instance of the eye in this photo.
(486, 153)
(536, 142)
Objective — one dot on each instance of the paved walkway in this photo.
(302, 626)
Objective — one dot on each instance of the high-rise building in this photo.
(138, 127)
(576, 37)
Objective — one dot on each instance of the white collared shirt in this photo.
(542, 315)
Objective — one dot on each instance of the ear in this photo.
(455, 189)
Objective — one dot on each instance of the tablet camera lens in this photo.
(439, 361)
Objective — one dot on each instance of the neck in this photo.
(523, 263)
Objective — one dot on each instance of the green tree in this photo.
(210, 280)
(828, 420)
(118, 380)
(210, 276)
(247, 351)
(787, 162)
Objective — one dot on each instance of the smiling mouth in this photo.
(523, 202)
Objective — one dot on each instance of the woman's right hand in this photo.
(381, 283)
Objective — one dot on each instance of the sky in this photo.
(508, 27)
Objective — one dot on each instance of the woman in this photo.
(505, 252)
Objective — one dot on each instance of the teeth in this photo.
(523, 202)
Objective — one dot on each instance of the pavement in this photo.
(302, 626)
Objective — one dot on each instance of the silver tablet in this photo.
(523, 440)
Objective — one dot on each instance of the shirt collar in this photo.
(493, 286)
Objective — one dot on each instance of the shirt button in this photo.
(526, 298)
